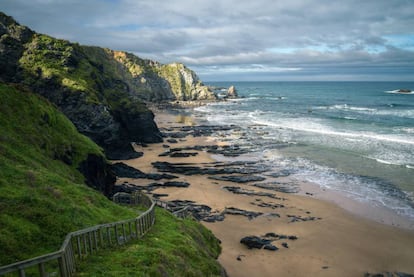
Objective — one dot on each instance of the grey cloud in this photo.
(315, 36)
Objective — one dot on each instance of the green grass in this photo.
(42, 194)
(172, 248)
(43, 197)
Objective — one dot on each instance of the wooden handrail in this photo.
(81, 243)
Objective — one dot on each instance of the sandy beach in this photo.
(331, 241)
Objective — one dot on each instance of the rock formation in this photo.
(100, 90)
(232, 92)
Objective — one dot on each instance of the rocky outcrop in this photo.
(98, 174)
(100, 90)
(185, 84)
(232, 92)
(12, 38)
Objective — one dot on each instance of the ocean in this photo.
(354, 138)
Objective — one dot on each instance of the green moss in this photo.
(42, 194)
(172, 248)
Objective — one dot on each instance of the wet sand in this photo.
(336, 243)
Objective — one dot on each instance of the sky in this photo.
(229, 40)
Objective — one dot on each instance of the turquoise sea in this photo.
(356, 138)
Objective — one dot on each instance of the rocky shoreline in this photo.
(240, 200)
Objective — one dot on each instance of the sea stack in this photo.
(232, 92)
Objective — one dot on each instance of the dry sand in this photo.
(339, 244)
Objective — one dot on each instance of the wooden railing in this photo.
(82, 243)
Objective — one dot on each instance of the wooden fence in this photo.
(89, 241)
(182, 213)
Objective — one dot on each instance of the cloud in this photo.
(261, 37)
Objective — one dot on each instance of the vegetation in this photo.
(42, 194)
(172, 248)
(174, 74)
(43, 197)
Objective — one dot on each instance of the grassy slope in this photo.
(92, 71)
(172, 248)
(42, 197)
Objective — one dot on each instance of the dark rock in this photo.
(404, 90)
(280, 187)
(176, 135)
(238, 179)
(272, 215)
(176, 184)
(228, 151)
(121, 151)
(273, 236)
(208, 169)
(126, 171)
(402, 274)
(182, 155)
(253, 242)
(214, 218)
(262, 204)
(159, 195)
(98, 174)
(127, 188)
(256, 242)
(199, 212)
(285, 245)
(239, 257)
(153, 186)
(282, 173)
(235, 211)
(270, 247)
(238, 190)
(295, 218)
(12, 40)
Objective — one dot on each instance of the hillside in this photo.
(100, 90)
(43, 196)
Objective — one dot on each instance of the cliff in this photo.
(100, 90)
(44, 165)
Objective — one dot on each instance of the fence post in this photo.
(116, 234)
(71, 257)
(124, 232)
(101, 237)
(136, 228)
(90, 242)
(79, 246)
(85, 244)
(42, 270)
(62, 268)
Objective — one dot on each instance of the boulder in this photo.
(259, 243)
